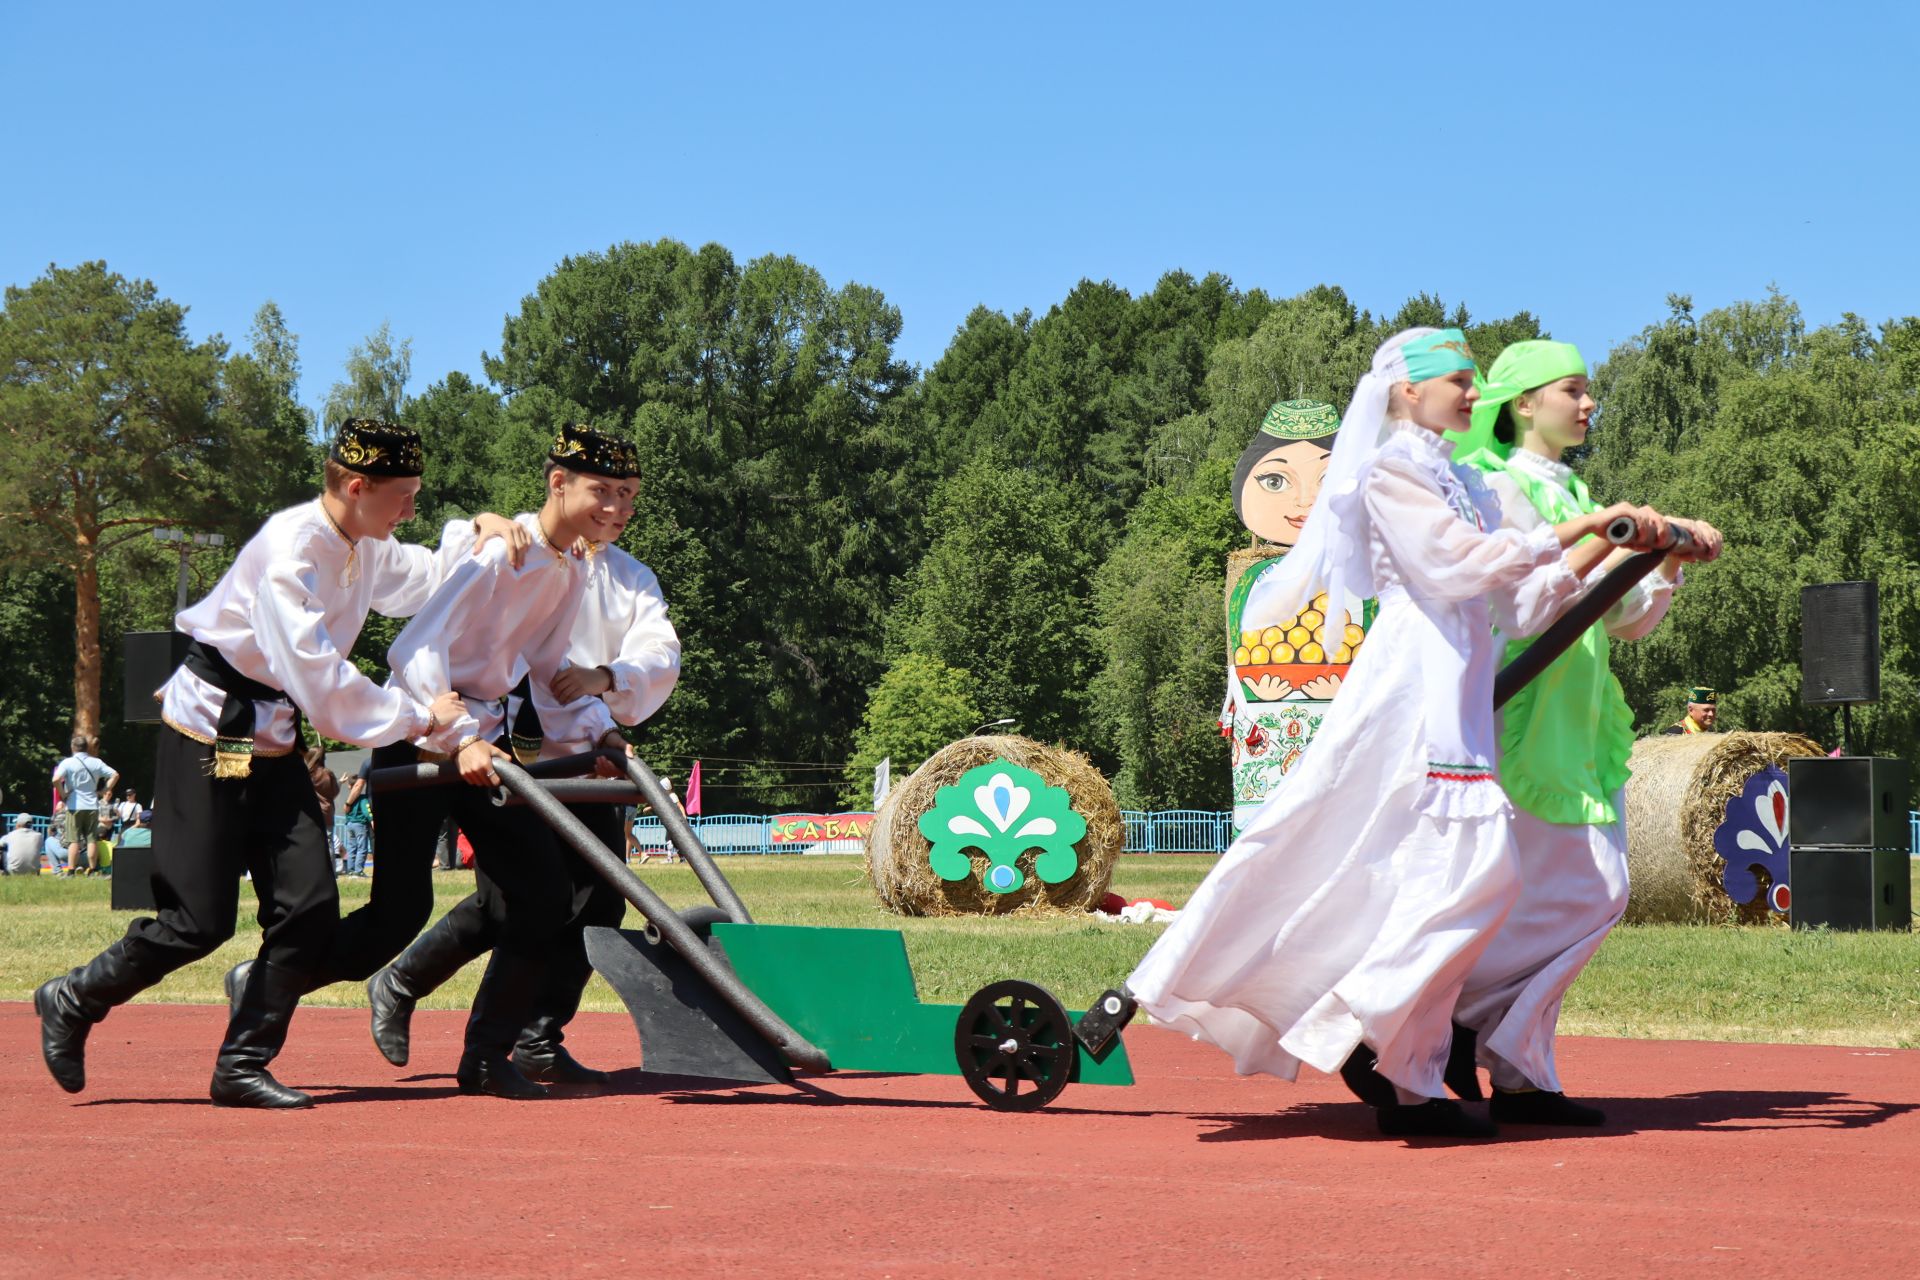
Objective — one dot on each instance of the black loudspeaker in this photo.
(1840, 644)
(151, 659)
(1855, 802)
(1850, 888)
(133, 880)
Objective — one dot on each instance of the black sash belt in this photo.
(233, 741)
(525, 735)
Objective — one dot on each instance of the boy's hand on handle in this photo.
(446, 708)
(475, 762)
(611, 739)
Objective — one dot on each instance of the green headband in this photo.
(1437, 354)
(1300, 420)
(1520, 368)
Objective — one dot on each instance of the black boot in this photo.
(1367, 1084)
(1434, 1118)
(503, 1005)
(1463, 1068)
(539, 1053)
(492, 1072)
(1542, 1106)
(69, 1006)
(235, 982)
(254, 1038)
(434, 957)
(546, 1060)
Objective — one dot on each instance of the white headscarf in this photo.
(1331, 553)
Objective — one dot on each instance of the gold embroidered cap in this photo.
(580, 447)
(376, 448)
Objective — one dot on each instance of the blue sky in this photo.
(427, 164)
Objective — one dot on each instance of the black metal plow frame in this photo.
(548, 786)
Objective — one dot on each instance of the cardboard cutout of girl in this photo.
(1280, 678)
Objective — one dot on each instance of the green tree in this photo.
(115, 424)
(1801, 446)
(1002, 593)
(376, 380)
(920, 705)
(775, 428)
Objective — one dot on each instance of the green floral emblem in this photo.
(1003, 810)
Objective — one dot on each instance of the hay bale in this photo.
(897, 854)
(1244, 558)
(1676, 799)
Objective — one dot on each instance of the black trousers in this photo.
(516, 859)
(477, 922)
(206, 832)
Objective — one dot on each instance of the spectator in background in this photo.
(127, 813)
(356, 827)
(85, 783)
(23, 846)
(1703, 709)
(325, 787)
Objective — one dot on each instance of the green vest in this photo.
(1565, 738)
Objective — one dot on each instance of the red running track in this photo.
(1742, 1160)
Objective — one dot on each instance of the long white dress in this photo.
(1573, 876)
(1359, 897)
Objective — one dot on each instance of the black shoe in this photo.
(1540, 1106)
(548, 1062)
(258, 1029)
(1434, 1118)
(1463, 1070)
(234, 983)
(492, 1072)
(434, 957)
(392, 1017)
(1367, 1084)
(63, 1032)
(69, 1006)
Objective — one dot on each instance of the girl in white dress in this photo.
(1339, 928)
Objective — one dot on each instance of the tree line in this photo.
(865, 559)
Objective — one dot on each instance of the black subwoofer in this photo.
(133, 880)
(1850, 802)
(1850, 888)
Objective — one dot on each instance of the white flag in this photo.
(882, 780)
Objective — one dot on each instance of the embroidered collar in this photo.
(1540, 468)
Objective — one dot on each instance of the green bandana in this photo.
(1520, 368)
(1437, 354)
(1300, 420)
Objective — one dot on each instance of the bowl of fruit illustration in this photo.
(1298, 650)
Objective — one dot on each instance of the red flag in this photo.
(693, 791)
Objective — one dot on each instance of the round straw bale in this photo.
(1676, 799)
(897, 854)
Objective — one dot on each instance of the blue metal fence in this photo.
(1162, 831)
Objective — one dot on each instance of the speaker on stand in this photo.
(1840, 648)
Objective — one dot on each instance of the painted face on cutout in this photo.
(1279, 489)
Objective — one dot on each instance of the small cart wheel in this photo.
(1015, 1046)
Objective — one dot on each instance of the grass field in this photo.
(1660, 981)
